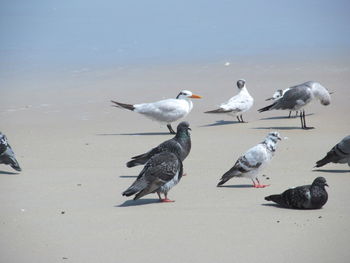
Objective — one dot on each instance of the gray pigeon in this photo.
(180, 145)
(303, 197)
(340, 153)
(297, 97)
(162, 171)
(7, 156)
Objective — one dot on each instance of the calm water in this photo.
(47, 33)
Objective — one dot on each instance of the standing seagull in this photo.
(297, 97)
(279, 94)
(7, 156)
(253, 160)
(340, 153)
(180, 145)
(303, 197)
(164, 111)
(238, 104)
(162, 171)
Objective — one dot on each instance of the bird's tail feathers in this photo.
(130, 191)
(227, 176)
(275, 198)
(14, 164)
(266, 108)
(123, 105)
(218, 111)
(135, 162)
(323, 161)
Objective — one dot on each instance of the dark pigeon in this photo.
(303, 197)
(180, 145)
(340, 153)
(7, 156)
(162, 171)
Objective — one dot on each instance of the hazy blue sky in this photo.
(50, 32)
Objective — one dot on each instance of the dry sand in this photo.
(66, 205)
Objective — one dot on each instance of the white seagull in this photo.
(253, 160)
(238, 104)
(297, 97)
(279, 94)
(164, 111)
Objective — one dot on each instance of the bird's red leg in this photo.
(260, 185)
(166, 200)
(254, 184)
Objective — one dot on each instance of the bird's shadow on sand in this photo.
(138, 202)
(277, 128)
(236, 186)
(5, 172)
(220, 123)
(128, 176)
(134, 134)
(274, 205)
(331, 171)
(284, 117)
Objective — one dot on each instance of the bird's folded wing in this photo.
(245, 164)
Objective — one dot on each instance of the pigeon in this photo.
(279, 94)
(253, 160)
(340, 153)
(7, 156)
(164, 111)
(161, 172)
(303, 197)
(180, 145)
(297, 97)
(238, 104)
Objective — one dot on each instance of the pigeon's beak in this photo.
(189, 128)
(269, 99)
(194, 96)
(326, 185)
(279, 138)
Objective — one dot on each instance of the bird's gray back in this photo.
(296, 97)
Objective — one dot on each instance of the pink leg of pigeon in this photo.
(166, 200)
(258, 185)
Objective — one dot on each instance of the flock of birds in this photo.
(163, 165)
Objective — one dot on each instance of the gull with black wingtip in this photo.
(298, 97)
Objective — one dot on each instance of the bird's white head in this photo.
(273, 136)
(187, 94)
(321, 93)
(241, 84)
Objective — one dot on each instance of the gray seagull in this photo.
(297, 97)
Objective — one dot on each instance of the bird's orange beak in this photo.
(194, 96)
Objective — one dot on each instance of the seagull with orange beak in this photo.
(164, 111)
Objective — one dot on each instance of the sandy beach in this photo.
(66, 205)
